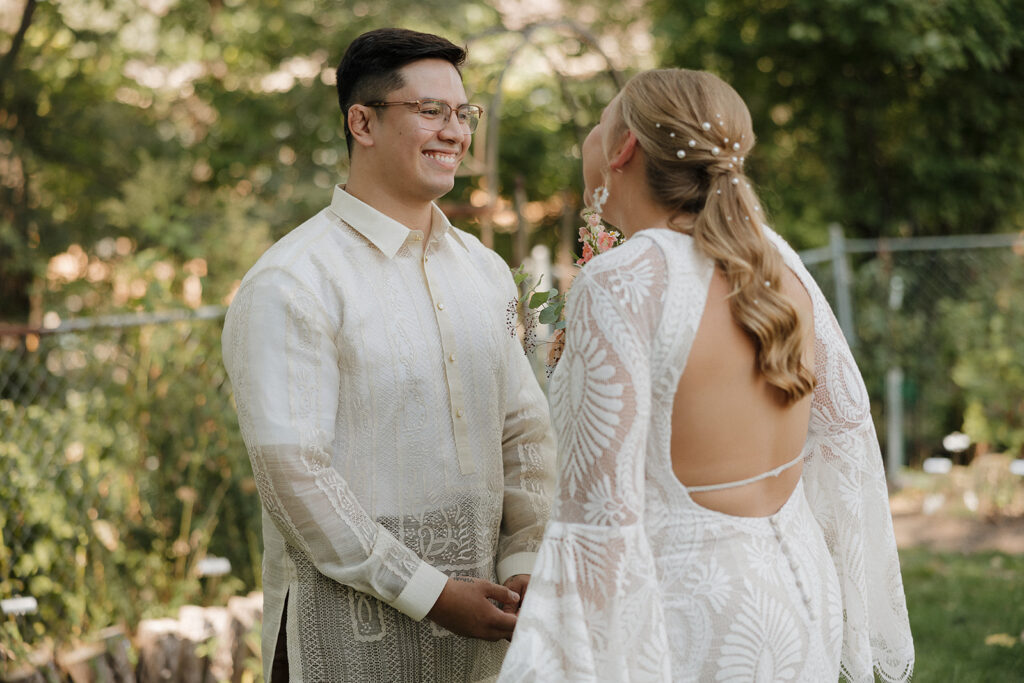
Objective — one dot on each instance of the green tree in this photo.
(891, 117)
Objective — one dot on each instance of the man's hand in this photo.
(465, 608)
(517, 584)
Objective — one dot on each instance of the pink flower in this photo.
(588, 253)
(593, 220)
(604, 241)
(584, 234)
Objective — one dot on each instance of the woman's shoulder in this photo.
(651, 245)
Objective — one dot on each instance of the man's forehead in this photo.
(432, 72)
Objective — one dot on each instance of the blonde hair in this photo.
(695, 132)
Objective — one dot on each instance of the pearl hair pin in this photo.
(706, 125)
(681, 154)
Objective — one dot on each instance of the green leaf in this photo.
(519, 275)
(550, 315)
(540, 298)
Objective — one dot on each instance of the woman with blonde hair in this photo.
(721, 512)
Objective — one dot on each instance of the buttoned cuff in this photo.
(422, 591)
(518, 563)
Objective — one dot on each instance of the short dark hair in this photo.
(369, 69)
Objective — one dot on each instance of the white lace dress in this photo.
(635, 581)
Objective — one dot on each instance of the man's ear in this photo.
(361, 124)
(623, 153)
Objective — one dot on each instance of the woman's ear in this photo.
(360, 124)
(624, 151)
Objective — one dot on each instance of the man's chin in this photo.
(440, 188)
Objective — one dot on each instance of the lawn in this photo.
(967, 615)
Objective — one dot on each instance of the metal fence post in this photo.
(894, 457)
(841, 270)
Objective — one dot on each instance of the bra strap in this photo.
(743, 482)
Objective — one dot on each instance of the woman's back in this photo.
(728, 423)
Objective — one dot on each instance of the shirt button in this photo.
(440, 306)
(458, 413)
(451, 357)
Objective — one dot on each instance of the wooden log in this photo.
(159, 644)
(195, 631)
(40, 667)
(246, 617)
(222, 644)
(86, 664)
(118, 658)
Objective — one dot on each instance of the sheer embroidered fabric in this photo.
(636, 582)
(394, 440)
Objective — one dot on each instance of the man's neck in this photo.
(413, 214)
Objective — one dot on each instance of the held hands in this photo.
(465, 608)
(517, 584)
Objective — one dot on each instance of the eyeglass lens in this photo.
(437, 114)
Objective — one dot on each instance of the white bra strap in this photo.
(742, 482)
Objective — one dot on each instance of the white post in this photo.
(894, 457)
(893, 422)
(841, 272)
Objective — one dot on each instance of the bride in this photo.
(721, 512)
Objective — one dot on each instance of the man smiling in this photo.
(398, 437)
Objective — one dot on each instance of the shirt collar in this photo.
(382, 231)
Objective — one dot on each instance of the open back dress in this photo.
(634, 580)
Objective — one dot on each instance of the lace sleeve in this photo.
(528, 454)
(844, 479)
(593, 611)
(284, 368)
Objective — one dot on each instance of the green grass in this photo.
(956, 601)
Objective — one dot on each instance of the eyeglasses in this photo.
(435, 114)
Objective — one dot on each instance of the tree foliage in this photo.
(891, 117)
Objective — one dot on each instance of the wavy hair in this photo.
(696, 132)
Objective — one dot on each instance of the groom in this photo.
(397, 434)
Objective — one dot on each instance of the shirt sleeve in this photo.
(593, 610)
(281, 357)
(528, 459)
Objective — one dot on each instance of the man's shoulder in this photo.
(478, 250)
(293, 252)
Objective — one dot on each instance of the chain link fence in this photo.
(122, 474)
(122, 468)
(937, 327)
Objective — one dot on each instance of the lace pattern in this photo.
(388, 450)
(634, 581)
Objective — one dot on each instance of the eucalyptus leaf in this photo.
(539, 299)
(549, 315)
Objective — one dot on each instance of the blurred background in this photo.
(151, 150)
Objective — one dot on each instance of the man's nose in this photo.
(453, 130)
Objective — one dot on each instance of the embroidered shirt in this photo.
(397, 436)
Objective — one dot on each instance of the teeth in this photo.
(440, 156)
